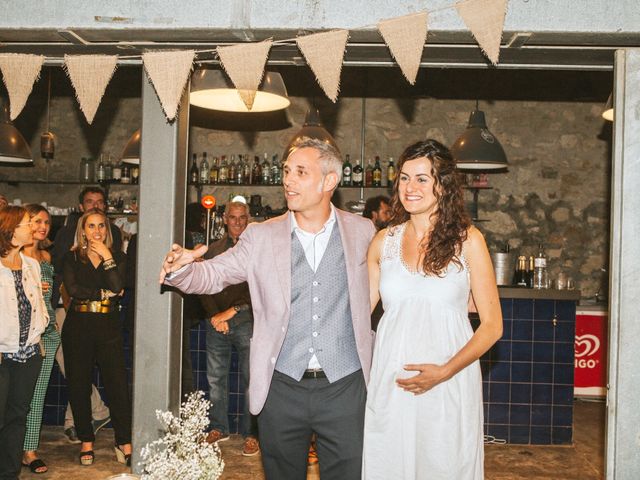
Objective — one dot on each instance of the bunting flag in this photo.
(90, 75)
(405, 37)
(324, 53)
(19, 73)
(169, 72)
(244, 63)
(485, 19)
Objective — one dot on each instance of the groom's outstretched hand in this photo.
(428, 377)
(178, 257)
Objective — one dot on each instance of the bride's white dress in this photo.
(437, 435)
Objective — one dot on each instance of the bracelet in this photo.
(109, 264)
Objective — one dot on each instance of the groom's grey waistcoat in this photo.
(320, 319)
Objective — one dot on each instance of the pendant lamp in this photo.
(131, 152)
(312, 128)
(14, 149)
(213, 90)
(477, 148)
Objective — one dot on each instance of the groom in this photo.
(312, 340)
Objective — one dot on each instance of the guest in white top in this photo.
(23, 317)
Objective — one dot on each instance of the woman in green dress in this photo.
(41, 224)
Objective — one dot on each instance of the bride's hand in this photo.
(428, 377)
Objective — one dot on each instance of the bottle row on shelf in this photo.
(241, 170)
(370, 176)
(107, 171)
(235, 171)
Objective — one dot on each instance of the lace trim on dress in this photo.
(392, 243)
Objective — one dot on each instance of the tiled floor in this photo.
(584, 460)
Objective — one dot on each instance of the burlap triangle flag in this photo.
(405, 37)
(485, 19)
(90, 75)
(168, 73)
(19, 73)
(324, 53)
(244, 63)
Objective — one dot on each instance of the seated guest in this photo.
(50, 339)
(230, 324)
(94, 276)
(23, 318)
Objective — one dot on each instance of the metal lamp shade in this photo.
(211, 89)
(14, 148)
(131, 152)
(477, 148)
(312, 128)
(608, 109)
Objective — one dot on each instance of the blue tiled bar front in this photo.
(528, 374)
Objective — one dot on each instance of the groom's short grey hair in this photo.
(329, 156)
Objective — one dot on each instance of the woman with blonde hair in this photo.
(50, 339)
(94, 277)
(23, 318)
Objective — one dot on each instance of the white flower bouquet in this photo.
(182, 453)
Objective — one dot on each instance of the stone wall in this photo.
(556, 191)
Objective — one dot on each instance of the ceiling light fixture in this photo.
(312, 128)
(212, 89)
(477, 148)
(14, 149)
(131, 152)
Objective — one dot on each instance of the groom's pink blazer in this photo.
(262, 257)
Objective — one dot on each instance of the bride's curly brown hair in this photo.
(450, 218)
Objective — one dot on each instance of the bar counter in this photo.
(528, 374)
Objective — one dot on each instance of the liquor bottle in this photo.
(256, 171)
(100, 172)
(391, 172)
(368, 174)
(126, 174)
(266, 170)
(223, 172)
(108, 169)
(194, 173)
(540, 274)
(117, 172)
(530, 270)
(213, 174)
(377, 173)
(358, 174)
(276, 172)
(247, 177)
(520, 277)
(346, 171)
(135, 174)
(233, 169)
(243, 173)
(205, 170)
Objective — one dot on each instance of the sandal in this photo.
(121, 457)
(86, 458)
(36, 465)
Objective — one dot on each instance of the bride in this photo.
(424, 415)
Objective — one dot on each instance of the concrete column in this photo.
(623, 400)
(158, 323)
